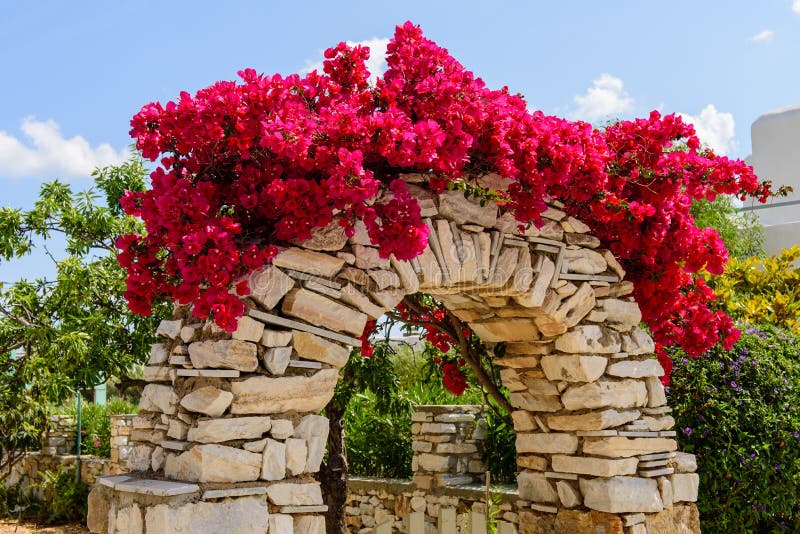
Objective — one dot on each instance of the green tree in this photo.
(742, 232)
(73, 330)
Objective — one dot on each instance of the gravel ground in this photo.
(11, 527)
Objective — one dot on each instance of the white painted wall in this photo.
(776, 157)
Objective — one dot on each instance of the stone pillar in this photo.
(448, 445)
(59, 438)
(121, 428)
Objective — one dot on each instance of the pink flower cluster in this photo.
(244, 165)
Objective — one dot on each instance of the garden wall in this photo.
(58, 454)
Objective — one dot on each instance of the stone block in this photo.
(567, 494)
(621, 494)
(535, 403)
(276, 359)
(313, 429)
(573, 367)
(509, 330)
(535, 487)
(276, 338)
(368, 257)
(247, 515)
(269, 285)
(214, 463)
(315, 348)
(685, 486)
(599, 467)
(266, 395)
(547, 443)
(656, 396)
(309, 261)
(589, 339)
(623, 447)
(230, 428)
(592, 420)
(281, 524)
(291, 494)
(99, 505)
(273, 466)
(296, 455)
(585, 261)
(158, 398)
(322, 311)
(453, 206)
(628, 393)
(207, 400)
(309, 524)
(170, 329)
(248, 329)
(576, 307)
(224, 354)
(635, 368)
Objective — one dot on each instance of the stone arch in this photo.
(231, 419)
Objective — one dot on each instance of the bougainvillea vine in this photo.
(245, 165)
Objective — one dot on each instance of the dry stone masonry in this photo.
(228, 422)
(448, 445)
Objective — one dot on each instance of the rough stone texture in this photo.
(453, 206)
(296, 455)
(291, 494)
(241, 516)
(622, 447)
(97, 518)
(248, 329)
(158, 398)
(549, 443)
(573, 368)
(685, 486)
(224, 354)
(635, 368)
(599, 467)
(208, 400)
(273, 465)
(269, 285)
(308, 261)
(265, 395)
(681, 519)
(214, 463)
(219, 430)
(621, 494)
(506, 330)
(584, 261)
(313, 347)
(567, 494)
(589, 339)
(276, 359)
(592, 420)
(606, 393)
(535, 487)
(309, 524)
(313, 429)
(323, 311)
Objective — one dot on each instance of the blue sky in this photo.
(74, 73)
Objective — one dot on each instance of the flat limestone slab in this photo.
(146, 486)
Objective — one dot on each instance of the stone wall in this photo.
(236, 414)
(373, 501)
(59, 438)
(58, 455)
(448, 445)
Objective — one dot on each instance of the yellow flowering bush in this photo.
(762, 290)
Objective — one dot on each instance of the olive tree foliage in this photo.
(72, 330)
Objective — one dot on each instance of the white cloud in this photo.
(605, 98)
(764, 35)
(45, 153)
(714, 128)
(376, 65)
(796, 6)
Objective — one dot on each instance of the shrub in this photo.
(762, 290)
(96, 424)
(65, 498)
(737, 411)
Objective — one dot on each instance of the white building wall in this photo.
(776, 157)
